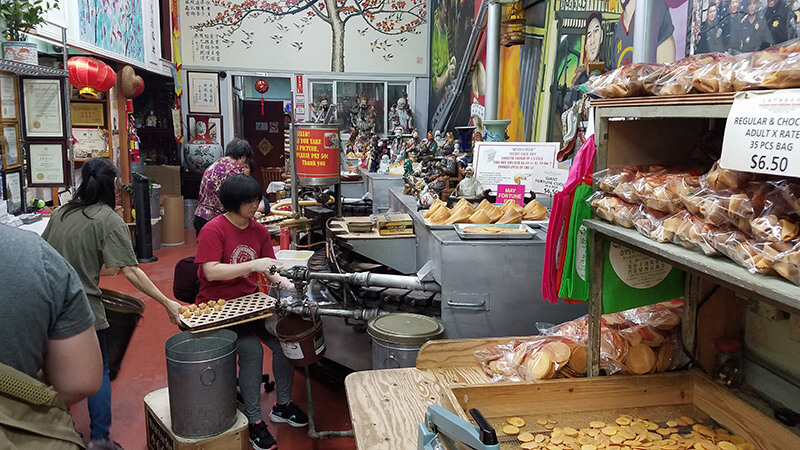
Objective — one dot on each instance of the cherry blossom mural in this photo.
(113, 25)
(367, 36)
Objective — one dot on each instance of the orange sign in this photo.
(317, 153)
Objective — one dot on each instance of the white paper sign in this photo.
(548, 180)
(512, 162)
(762, 134)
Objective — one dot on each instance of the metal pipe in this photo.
(644, 42)
(355, 314)
(377, 279)
(292, 155)
(492, 60)
(312, 431)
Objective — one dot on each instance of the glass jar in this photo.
(728, 363)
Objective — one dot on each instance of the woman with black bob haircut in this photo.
(238, 155)
(89, 234)
(232, 248)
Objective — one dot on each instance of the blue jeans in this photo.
(100, 403)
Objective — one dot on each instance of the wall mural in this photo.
(113, 25)
(358, 36)
(741, 25)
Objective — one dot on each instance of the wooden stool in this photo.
(161, 437)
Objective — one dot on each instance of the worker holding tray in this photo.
(231, 249)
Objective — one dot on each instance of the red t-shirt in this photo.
(222, 241)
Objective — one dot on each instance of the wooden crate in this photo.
(160, 436)
(585, 399)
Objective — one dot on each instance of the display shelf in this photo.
(19, 68)
(720, 270)
(699, 110)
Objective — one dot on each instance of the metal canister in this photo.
(317, 148)
(397, 338)
(201, 375)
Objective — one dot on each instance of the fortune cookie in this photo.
(479, 217)
(458, 216)
(440, 216)
(510, 215)
(534, 211)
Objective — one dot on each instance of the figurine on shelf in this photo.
(430, 144)
(470, 187)
(383, 169)
(398, 148)
(151, 121)
(400, 115)
(363, 115)
(439, 140)
(448, 145)
(410, 162)
(322, 110)
(378, 155)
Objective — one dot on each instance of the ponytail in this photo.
(97, 184)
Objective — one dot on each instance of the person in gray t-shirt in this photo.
(45, 320)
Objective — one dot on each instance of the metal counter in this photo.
(378, 187)
(489, 287)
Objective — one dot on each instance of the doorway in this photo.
(263, 129)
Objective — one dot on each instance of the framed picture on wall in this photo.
(13, 191)
(47, 164)
(8, 96)
(203, 92)
(43, 108)
(9, 137)
(206, 128)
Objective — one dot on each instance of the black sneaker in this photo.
(260, 437)
(288, 413)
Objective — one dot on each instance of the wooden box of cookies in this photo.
(681, 410)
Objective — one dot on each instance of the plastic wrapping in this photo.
(716, 76)
(631, 342)
(719, 179)
(613, 209)
(626, 81)
(784, 258)
(650, 223)
(677, 78)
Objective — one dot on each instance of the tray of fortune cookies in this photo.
(494, 231)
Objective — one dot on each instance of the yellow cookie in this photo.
(516, 421)
(511, 430)
(623, 421)
(597, 424)
(221, 302)
(525, 437)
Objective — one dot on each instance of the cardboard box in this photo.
(393, 224)
(169, 177)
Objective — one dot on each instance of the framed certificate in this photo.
(13, 191)
(9, 136)
(86, 114)
(47, 164)
(43, 107)
(8, 97)
(89, 142)
(203, 92)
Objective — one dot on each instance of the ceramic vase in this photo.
(465, 136)
(24, 52)
(197, 157)
(495, 130)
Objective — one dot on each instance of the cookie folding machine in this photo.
(442, 429)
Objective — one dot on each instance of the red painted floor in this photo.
(144, 370)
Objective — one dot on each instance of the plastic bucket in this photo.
(201, 375)
(397, 338)
(189, 207)
(123, 313)
(302, 340)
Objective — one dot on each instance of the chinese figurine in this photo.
(400, 115)
(363, 115)
(469, 187)
(383, 169)
(151, 121)
(322, 110)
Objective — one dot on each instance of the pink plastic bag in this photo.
(559, 226)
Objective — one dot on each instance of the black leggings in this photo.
(199, 223)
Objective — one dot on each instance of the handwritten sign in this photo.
(548, 180)
(762, 132)
(512, 162)
(514, 192)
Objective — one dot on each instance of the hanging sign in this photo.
(317, 155)
(762, 133)
(512, 162)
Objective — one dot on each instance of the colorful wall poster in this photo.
(113, 25)
(740, 25)
(307, 35)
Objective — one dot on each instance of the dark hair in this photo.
(237, 190)
(239, 148)
(594, 15)
(97, 184)
(251, 164)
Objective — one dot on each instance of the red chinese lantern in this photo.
(139, 87)
(262, 87)
(90, 76)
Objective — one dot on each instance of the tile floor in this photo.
(144, 370)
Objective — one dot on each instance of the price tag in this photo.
(762, 134)
(548, 180)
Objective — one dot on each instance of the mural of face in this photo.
(735, 7)
(712, 13)
(594, 37)
(772, 3)
(752, 7)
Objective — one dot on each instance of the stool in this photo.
(161, 437)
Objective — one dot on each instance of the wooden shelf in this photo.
(683, 106)
(768, 288)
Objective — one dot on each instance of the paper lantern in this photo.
(262, 87)
(90, 76)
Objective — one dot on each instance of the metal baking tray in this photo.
(437, 226)
(529, 233)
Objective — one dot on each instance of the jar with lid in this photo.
(728, 363)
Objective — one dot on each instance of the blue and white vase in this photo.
(495, 130)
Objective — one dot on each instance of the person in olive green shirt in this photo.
(88, 233)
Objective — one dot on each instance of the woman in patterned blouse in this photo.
(238, 154)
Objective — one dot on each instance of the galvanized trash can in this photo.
(201, 375)
(123, 313)
(397, 338)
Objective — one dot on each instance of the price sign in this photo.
(762, 134)
(504, 162)
(548, 180)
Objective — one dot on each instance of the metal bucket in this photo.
(201, 375)
(189, 207)
(123, 313)
(302, 340)
(397, 338)
(316, 155)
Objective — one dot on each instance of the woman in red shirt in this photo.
(232, 248)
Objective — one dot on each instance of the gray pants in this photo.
(251, 362)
